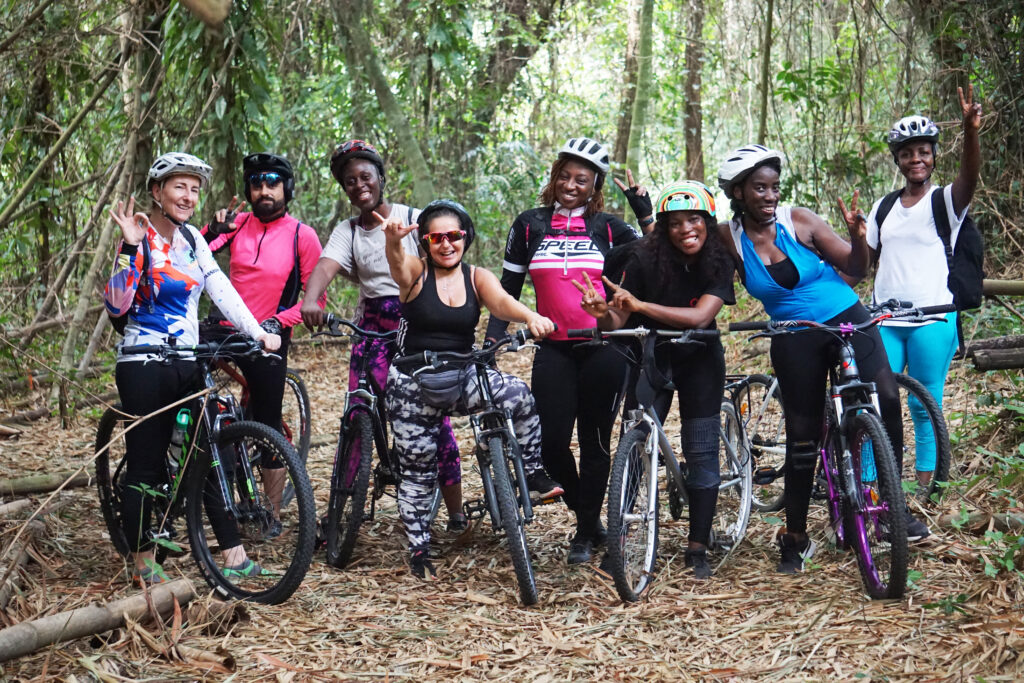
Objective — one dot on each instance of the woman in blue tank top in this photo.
(788, 258)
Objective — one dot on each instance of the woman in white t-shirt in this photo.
(912, 264)
(356, 251)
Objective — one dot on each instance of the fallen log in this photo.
(979, 521)
(1010, 341)
(14, 507)
(998, 359)
(1011, 287)
(39, 413)
(41, 483)
(30, 636)
(16, 558)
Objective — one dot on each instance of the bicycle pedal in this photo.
(765, 475)
(474, 509)
(536, 500)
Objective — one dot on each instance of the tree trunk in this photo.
(30, 636)
(1010, 341)
(692, 126)
(998, 359)
(629, 78)
(41, 483)
(350, 27)
(766, 65)
(643, 86)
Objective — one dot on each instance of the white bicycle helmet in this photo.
(175, 163)
(591, 151)
(912, 128)
(740, 162)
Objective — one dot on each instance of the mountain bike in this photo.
(214, 478)
(633, 510)
(363, 429)
(867, 516)
(296, 416)
(506, 495)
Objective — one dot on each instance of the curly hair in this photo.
(712, 261)
(547, 195)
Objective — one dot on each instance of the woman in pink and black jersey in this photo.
(572, 384)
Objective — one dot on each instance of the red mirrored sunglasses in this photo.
(438, 237)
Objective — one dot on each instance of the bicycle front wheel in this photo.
(633, 516)
(512, 522)
(732, 513)
(295, 422)
(349, 482)
(925, 437)
(875, 511)
(758, 403)
(279, 551)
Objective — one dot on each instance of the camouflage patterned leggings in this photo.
(381, 314)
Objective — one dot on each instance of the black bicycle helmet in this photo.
(265, 161)
(355, 149)
(439, 206)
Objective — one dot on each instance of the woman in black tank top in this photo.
(440, 297)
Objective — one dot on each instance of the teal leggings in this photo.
(925, 352)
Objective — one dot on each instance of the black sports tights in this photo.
(801, 362)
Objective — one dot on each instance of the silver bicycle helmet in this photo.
(740, 162)
(590, 151)
(176, 163)
(912, 128)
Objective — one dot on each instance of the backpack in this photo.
(964, 262)
(120, 322)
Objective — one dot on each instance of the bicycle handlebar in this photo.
(334, 322)
(241, 347)
(436, 358)
(681, 336)
(889, 310)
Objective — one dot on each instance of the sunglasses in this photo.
(270, 179)
(438, 237)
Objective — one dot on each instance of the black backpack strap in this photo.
(884, 207)
(942, 224)
(290, 294)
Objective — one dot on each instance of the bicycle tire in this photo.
(110, 484)
(296, 419)
(912, 391)
(759, 404)
(350, 480)
(633, 485)
(875, 517)
(735, 498)
(512, 520)
(286, 555)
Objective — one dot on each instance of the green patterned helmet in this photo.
(686, 195)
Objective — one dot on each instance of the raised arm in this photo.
(970, 158)
(850, 257)
(405, 268)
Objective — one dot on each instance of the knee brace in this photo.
(802, 455)
(699, 439)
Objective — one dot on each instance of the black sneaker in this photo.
(794, 554)
(420, 564)
(541, 486)
(698, 560)
(600, 536)
(581, 549)
(458, 522)
(916, 529)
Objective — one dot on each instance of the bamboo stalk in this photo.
(14, 507)
(16, 558)
(30, 636)
(41, 483)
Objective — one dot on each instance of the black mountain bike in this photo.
(363, 429)
(214, 477)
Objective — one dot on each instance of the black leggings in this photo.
(801, 362)
(574, 384)
(144, 387)
(265, 377)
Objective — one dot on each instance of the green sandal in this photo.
(247, 570)
(150, 575)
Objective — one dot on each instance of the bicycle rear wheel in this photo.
(283, 552)
(633, 516)
(875, 512)
(349, 482)
(110, 485)
(512, 519)
(758, 402)
(295, 422)
(735, 498)
(928, 442)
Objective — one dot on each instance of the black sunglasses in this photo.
(269, 178)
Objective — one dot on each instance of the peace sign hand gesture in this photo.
(856, 221)
(622, 299)
(134, 224)
(592, 302)
(637, 196)
(971, 109)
